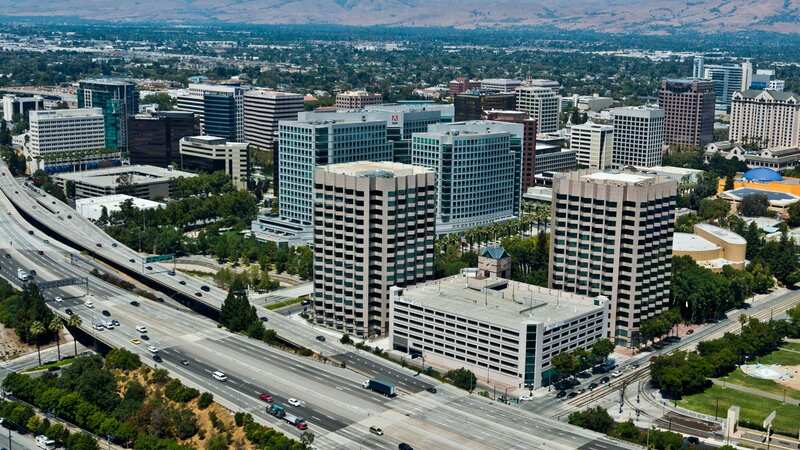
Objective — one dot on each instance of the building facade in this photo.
(262, 110)
(118, 99)
(478, 175)
(541, 103)
(213, 154)
(727, 79)
(461, 84)
(154, 138)
(594, 144)
(499, 85)
(505, 332)
(218, 108)
(612, 235)
(66, 140)
(374, 228)
(357, 99)
(638, 136)
(530, 130)
(765, 118)
(688, 112)
(304, 145)
(17, 107)
(147, 182)
(472, 105)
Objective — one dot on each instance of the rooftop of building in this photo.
(723, 234)
(477, 127)
(109, 177)
(637, 110)
(762, 175)
(493, 252)
(499, 301)
(410, 107)
(108, 81)
(777, 95)
(379, 169)
(775, 198)
(65, 113)
(269, 93)
(614, 177)
(593, 126)
(115, 199)
(688, 242)
(501, 81)
(539, 193)
(357, 93)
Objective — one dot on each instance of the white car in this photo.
(59, 299)
(525, 398)
(141, 329)
(152, 349)
(219, 376)
(293, 402)
(89, 304)
(99, 327)
(616, 373)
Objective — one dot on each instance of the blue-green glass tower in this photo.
(118, 99)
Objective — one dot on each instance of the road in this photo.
(338, 410)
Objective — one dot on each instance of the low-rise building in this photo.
(776, 158)
(504, 331)
(92, 208)
(213, 154)
(711, 247)
(148, 182)
(357, 99)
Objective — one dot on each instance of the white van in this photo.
(219, 376)
(45, 442)
(141, 329)
(89, 304)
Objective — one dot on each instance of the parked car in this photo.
(321, 338)
(561, 394)
(205, 288)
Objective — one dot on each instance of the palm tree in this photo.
(55, 326)
(74, 321)
(36, 331)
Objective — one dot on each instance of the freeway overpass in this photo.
(338, 409)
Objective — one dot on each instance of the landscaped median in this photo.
(48, 365)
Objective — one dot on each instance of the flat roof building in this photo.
(541, 103)
(263, 109)
(118, 99)
(594, 144)
(502, 85)
(472, 105)
(638, 136)
(214, 154)
(711, 247)
(92, 208)
(504, 331)
(148, 182)
(357, 99)
(154, 138)
(688, 111)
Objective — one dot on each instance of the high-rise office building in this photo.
(541, 103)
(304, 145)
(594, 145)
(214, 154)
(478, 173)
(374, 228)
(461, 84)
(154, 138)
(530, 129)
(471, 105)
(500, 85)
(747, 75)
(727, 79)
(66, 140)
(638, 136)
(688, 111)
(118, 99)
(18, 107)
(698, 68)
(765, 118)
(612, 236)
(357, 99)
(263, 109)
(219, 109)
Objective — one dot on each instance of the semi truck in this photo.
(279, 411)
(380, 386)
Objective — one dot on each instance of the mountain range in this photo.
(641, 16)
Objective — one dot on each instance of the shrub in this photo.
(177, 392)
(206, 398)
(122, 359)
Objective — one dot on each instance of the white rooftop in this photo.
(384, 169)
(500, 301)
(688, 242)
(722, 233)
(619, 177)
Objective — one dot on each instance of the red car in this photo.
(265, 397)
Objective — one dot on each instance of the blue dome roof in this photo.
(762, 174)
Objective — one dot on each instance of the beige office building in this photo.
(213, 154)
(594, 144)
(711, 247)
(374, 227)
(357, 99)
(542, 104)
(612, 236)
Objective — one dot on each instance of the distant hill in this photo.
(642, 16)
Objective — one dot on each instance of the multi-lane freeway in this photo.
(191, 347)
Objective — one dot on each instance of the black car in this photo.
(693, 440)
(605, 380)
(134, 303)
(144, 337)
(264, 319)
(592, 386)
(115, 322)
(132, 260)
(584, 374)
(561, 394)
(182, 282)
(30, 232)
(198, 294)
(113, 244)
(68, 312)
(205, 288)
(69, 216)
(404, 446)
(431, 389)
(572, 394)
(149, 267)
(321, 338)
(157, 358)
(99, 244)
(106, 313)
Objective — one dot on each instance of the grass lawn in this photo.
(781, 357)
(291, 301)
(62, 363)
(742, 379)
(753, 408)
(792, 346)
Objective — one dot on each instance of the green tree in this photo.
(754, 205)
(714, 209)
(37, 330)
(729, 185)
(462, 378)
(162, 99)
(601, 349)
(565, 363)
(74, 321)
(595, 419)
(55, 326)
(122, 359)
(237, 313)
